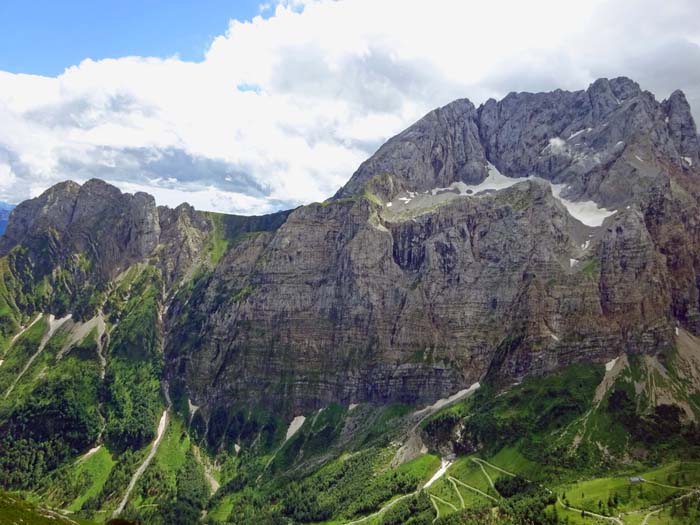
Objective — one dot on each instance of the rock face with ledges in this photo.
(113, 228)
(416, 309)
(590, 140)
(440, 148)
(355, 300)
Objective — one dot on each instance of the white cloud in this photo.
(283, 109)
(203, 198)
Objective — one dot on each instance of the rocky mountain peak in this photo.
(608, 143)
(606, 95)
(441, 147)
(52, 208)
(682, 128)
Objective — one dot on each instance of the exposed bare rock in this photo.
(427, 272)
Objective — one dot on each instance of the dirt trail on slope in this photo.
(612, 370)
(19, 334)
(589, 513)
(486, 474)
(414, 446)
(214, 485)
(444, 502)
(459, 494)
(162, 425)
(54, 324)
(382, 510)
(438, 474)
(499, 469)
(473, 489)
(664, 505)
(437, 509)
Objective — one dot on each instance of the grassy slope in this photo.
(16, 510)
(97, 469)
(580, 493)
(19, 353)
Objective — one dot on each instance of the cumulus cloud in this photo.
(282, 109)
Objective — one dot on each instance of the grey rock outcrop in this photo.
(438, 149)
(590, 140)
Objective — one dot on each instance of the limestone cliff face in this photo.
(430, 269)
(385, 309)
(96, 219)
(596, 141)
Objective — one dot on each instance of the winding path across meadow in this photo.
(589, 513)
(19, 334)
(162, 425)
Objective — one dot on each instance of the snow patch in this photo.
(586, 244)
(577, 133)
(294, 426)
(554, 337)
(237, 448)
(587, 212)
(161, 427)
(151, 453)
(444, 465)
(639, 158)
(688, 161)
(678, 332)
(454, 397)
(55, 324)
(495, 180)
(1, 361)
(388, 204)
(613, 369)
(405, 200)
(352, 407)
(573, 262)
(610, 364)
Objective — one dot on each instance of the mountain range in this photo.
(501, 304)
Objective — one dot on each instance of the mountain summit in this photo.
(589, 140)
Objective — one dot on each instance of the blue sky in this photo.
(46, 36)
